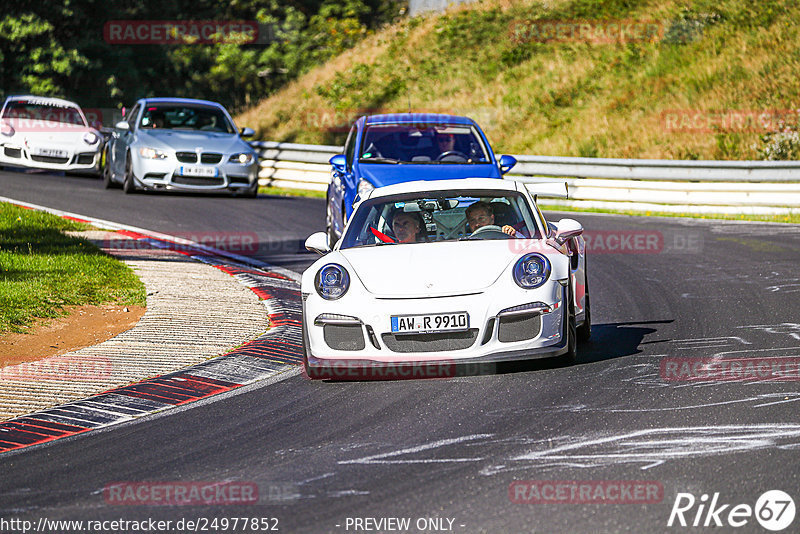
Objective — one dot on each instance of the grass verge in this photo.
(42, 270)
(286, 192)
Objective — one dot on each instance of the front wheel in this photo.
(108, 183)
(585, 330)
(127, 184)
(570, 331)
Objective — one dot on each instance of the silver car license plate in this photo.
(196, 170)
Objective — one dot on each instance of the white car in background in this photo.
(511, 287)
(48, 133)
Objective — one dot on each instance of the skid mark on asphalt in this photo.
(384, 458)
(653, 447)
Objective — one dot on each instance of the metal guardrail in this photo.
(751, 187)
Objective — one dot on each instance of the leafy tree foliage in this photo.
(57, 48)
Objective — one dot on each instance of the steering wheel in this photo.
(490, 231)
(458, 153)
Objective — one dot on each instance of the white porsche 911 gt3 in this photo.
(48, 133)
(444, 272)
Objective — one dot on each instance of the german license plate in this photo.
(432, 322)
(189, 170)
(50, 152)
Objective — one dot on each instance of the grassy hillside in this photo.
(687, 93)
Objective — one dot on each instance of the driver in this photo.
(480, 214)
(445, 142)
(407, 227)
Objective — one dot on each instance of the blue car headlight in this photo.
(332, 281)
(531, 271)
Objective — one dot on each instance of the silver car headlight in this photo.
(332, 281)
(531, 271)
(90, 138)
(152, 153)
(244, 158)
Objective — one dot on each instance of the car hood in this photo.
(431, 269)
(382, 174)
(53, 134)
(189, 141)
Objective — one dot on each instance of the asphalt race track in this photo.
(460, 454)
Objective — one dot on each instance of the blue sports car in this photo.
(388, 149)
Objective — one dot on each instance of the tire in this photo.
(571, 356)
(253, 191)
(585, 330)
(108, 183)
(311, 372)
(127, 183)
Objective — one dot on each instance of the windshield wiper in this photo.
(378, 160)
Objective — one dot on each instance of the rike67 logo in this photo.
(774, 510)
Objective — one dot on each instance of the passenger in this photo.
(480, 214)
(407, 227)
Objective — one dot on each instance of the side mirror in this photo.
(122, 125)
(318, 243)
(566, 228)
(247, 132)
(506, 163)
(338, 162)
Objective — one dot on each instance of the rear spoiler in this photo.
(549, 189)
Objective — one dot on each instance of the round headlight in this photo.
(531, 271)
(332, 281)
(364, 187)
(90, 138)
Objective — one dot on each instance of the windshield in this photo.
(441, 216)
(43, 111)
(183, 117)
(422, 143)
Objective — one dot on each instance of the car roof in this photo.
(46, 99)
(173, 100)
(418, 118)
(489, 184)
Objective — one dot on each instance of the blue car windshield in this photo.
(432, 217)
(185, 117)
(422, 143)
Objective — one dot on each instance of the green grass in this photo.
(286, 192)
(43, 270)
(718, 57)
(793, 218)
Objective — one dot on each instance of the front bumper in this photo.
(337, 338)
(86, 160)
(165, 175)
